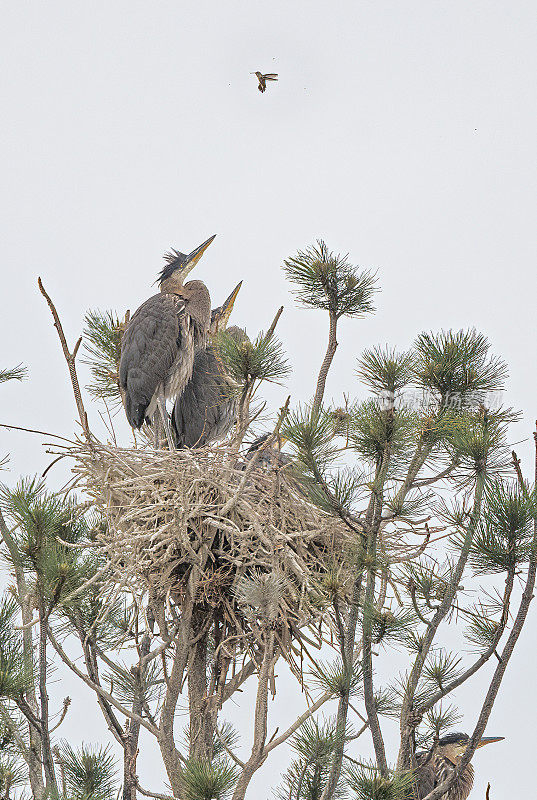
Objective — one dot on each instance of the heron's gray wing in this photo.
(148, 350)
(271, 76)
(204, 411)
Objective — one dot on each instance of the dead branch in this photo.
(70, 357)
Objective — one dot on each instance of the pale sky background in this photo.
(402, 132)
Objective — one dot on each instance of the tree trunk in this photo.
(166, 740)
(325, 366)
(48, 761)
(132, 732)
(201, 716)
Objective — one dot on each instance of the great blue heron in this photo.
(439, 764)
(205, 411)
(269, 76)
(160, 341)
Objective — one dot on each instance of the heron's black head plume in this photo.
(175, 260)
(454, 738)
(462, 739)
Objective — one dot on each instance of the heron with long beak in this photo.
(206, 410)
(440, 763)
(162, 338)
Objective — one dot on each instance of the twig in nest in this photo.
(254, 459)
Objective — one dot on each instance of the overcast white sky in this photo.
(402, 132)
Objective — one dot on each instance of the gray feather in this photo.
(431, 772)
(206, 409)
(148, 350)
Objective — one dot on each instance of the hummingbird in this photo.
(270, 76)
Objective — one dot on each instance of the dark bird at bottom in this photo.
(439, 764)
(206, 410)
(161, 339)
(269, 76)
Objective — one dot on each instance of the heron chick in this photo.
(439, 764)
(161, 339)
(206, 410)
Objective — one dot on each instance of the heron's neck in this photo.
(171, 285)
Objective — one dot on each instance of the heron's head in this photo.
(220, 316)
(259, 74)
(453, 746)
(178, 264)
(258, 443)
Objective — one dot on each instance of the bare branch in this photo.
(98, 689)
(298, 722)
(66, 704)
(146, 793)
(70, 359)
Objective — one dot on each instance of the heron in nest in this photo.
(206, 410)
(270, 456)
(441, 762)
(161, 340)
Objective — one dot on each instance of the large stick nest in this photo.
(208, 524)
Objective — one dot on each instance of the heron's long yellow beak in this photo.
(228, 304)
(220, 316)
(193, 257)
(488, 740)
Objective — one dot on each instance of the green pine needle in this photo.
(15, 676)
(441, 668)
(337, 679)
(328, 281)
(90, 772)
(18, 373)
(367, 783)
(374, 427)
(246, 361)
(458, 364)
(202, 780)
(385, 369)
(102, 344)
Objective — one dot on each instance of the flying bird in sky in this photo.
(270, 76)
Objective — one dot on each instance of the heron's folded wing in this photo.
(148, 350)
(425, 778)
(197, 411)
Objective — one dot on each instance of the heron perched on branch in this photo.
(439, 764)
(269, 76)
(161, 339)
(205, 411)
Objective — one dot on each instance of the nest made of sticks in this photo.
(210, 523)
